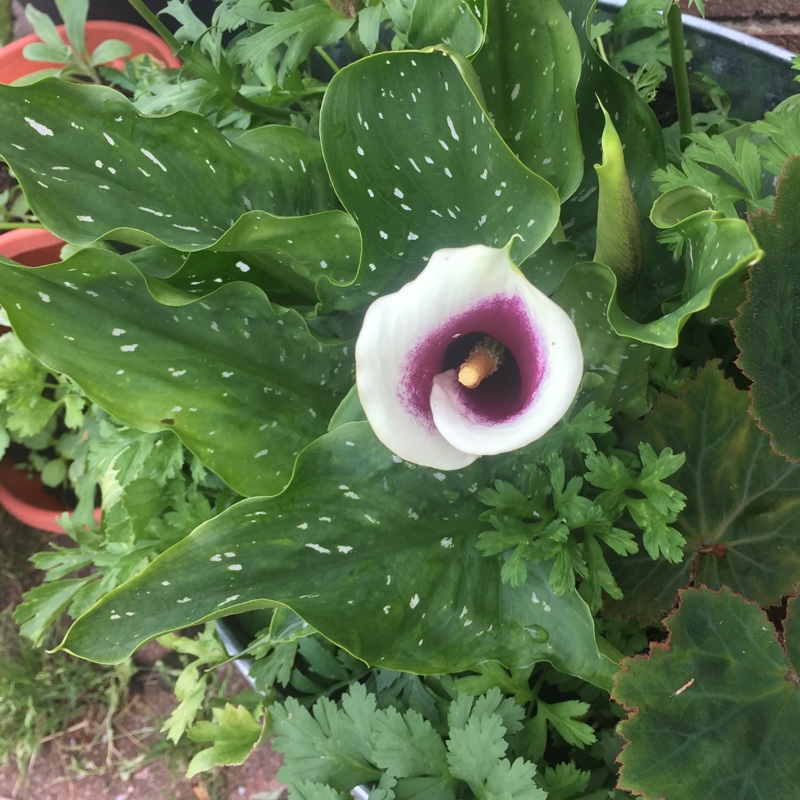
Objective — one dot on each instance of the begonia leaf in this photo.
(413, 188)
(791, 631)
(768, 326)
(243, 385)
(529, 68)
(715, 711)
(740, 519)
(105, 171)
(397, 578)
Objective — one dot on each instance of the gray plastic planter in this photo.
(756, 75)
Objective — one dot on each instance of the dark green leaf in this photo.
(768, 327)
(387, 585)
(413, 190)
(740, 519)
(243, 386)
(715, 712)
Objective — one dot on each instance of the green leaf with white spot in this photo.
(376, 554)
(106, 171)
(718, 249)
(284, 256)
(243, 385)
(529, 68)
(453, 24)
(546, 268)
(616, 366)
(675, 205)
(413, 188)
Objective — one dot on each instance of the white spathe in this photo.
(412, 343)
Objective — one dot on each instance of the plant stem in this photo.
(677, 50)
(327, 59)
(156, 24)
(11, 226)
(272, 114)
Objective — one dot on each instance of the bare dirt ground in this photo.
(136, 763)
(94, 759)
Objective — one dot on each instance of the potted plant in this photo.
(42, 434)
(486, 403)
(78, 47)
(30, 246)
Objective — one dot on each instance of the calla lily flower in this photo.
(468, 359)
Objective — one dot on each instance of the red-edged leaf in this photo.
(768, 327)
(715, 712)
(740, 519)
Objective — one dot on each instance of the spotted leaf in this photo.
(397, 578)
(413, 188)
(285, 256)
(104, 170)
(243, 385)
(529, 68)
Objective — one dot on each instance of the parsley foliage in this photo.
(335, 747)
(573, 502)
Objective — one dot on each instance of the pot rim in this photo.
(142, 40)
(718, 31)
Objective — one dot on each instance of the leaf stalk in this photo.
(677, 49)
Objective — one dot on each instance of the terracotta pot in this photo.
(23, 495)
(124, 12)
(32, 247)
(13, 65)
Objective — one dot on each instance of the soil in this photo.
(82, 762)
(74, 766)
